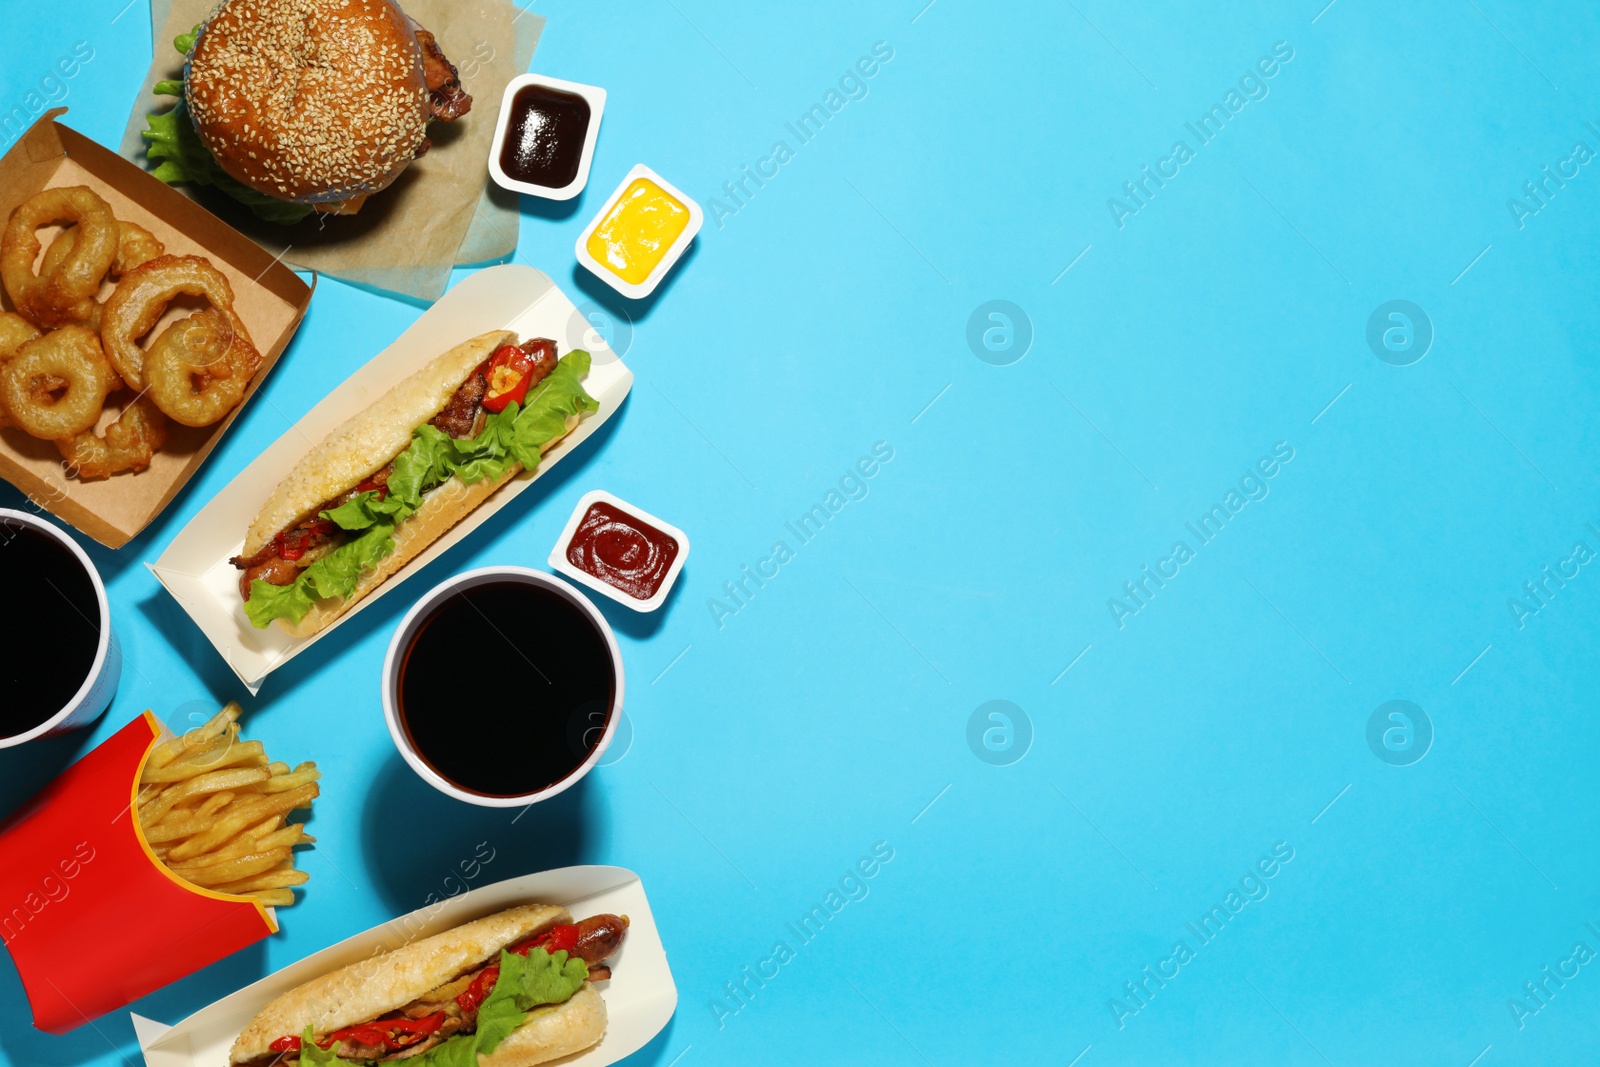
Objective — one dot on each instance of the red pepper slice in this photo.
(556, 939)
(385, 1033)
(510, 372)
(370, 1035)
(370, 486)
(295, 549)
(479, 989)
(423, 1026)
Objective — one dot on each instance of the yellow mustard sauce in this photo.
(635, 234)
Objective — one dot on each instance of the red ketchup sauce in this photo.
(622, 550)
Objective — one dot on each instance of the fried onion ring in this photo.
(15, 331)
(144, 293)
(128, 444)
(67, 361)
(136, 246)
(67, 294)
(198, 369)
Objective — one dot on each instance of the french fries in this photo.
(216, 802)
(226, 751)
(273, 898)
(214, 810)
(170, 750)
(280, 879)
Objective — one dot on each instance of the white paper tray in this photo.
(195, 568)
(640, 996)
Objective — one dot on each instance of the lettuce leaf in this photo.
(335, 574)
(514, 435)
(367, 509)
(544, 415)
(525, 982)
(312, 1056)
(538, 978)
(458, 1051)
(268, 602)
(427, 463)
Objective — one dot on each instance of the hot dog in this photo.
(388, 482)
(510, 990)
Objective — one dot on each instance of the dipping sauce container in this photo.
(544, 139)
(636, 231)
(615, 548)
(640, 233)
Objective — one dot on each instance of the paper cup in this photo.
(423, 610)
(94, 695)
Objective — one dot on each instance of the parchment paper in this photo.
(443, 210)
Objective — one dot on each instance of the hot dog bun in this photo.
(368, 441)
(368, 988)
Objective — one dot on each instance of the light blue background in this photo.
(1224, 717)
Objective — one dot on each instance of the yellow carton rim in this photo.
(156, 730)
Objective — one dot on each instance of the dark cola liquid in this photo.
(53, 627)
(505, 689)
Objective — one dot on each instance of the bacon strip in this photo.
(447, 99)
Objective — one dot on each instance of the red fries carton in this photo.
(77, 864)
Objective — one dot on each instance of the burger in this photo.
(295, 106)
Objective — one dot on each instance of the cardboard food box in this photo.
(640, 996)
(77, 865)
(195, 567)
(268, 296)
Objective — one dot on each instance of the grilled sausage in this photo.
(599, 936)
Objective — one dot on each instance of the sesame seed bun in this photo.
(312, 101)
